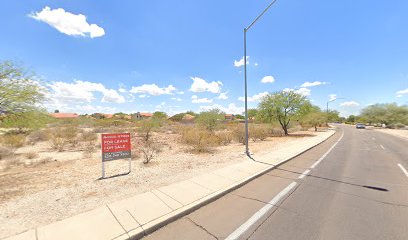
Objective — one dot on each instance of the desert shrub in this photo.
(211, 119)
(89, 149)
(225, 137)
(88, 137)
(258, 133)
(13, 140)
(58, 143)
(238, 133)
(200, 140)
(149, 151)
(39, 136)
(31, 155)
(397, 126)
(5, 152)
(276, 132)
(62, 136)
(146, 127)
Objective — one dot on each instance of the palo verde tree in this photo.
(283, 107)
(20, 91)
(210, 119)
(21, 95)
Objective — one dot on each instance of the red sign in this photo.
(116, 146)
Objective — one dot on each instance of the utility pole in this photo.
(245, 75)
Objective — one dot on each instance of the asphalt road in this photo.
(353, 186)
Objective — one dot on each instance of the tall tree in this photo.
(283, 107)
(20, 91)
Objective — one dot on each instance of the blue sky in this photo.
(173, 56)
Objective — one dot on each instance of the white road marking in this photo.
(328, 151)
(244, 227)
(382, 146)
(403, 169)
(304, 174)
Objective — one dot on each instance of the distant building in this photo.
(64, 115)
(107, 115)
(229, 117)
(140, 116)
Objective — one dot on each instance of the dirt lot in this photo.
(395, 132)
(66, 183)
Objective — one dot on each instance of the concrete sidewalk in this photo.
(137, 216)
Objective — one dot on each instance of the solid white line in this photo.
(403, 169)
(304, 174)
(244, 227)
(328, 151)
(382, 147)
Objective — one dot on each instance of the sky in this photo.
(173, 56)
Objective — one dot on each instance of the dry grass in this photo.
(13, 140)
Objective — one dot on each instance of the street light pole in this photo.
(245, 75)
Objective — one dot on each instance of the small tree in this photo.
(210, 119)
(283, 107)
(24, 121)
(314, 119)
(160, 115)
(146, 128)
(20, 91)
(252, 113)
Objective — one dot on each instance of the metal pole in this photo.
(245, 73)
(103, 169)
(246, 96)
(327, 107)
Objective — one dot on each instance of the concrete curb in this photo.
(183, 211)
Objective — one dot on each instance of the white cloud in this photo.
(256, 64)
(312, 84)
(241, 62)
(401, 93)
(302, 91)
(68, 23)
(231, 109)
(200, 85)
(268, 79)
(153, 89)
(82, 91)
(223, 96)
(176, 99)
(180, 92)
(332, 97)
(255, 98)
(143, 96)
(195, 99)
(350, 104)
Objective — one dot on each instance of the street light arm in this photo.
(260, 15)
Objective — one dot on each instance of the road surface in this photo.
(353, 186)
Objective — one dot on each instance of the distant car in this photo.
(360, 126)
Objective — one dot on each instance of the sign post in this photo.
(115, 146)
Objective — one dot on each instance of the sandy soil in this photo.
(38, 194)
(395, 132)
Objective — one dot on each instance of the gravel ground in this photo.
(395, 132)
(38, 194)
